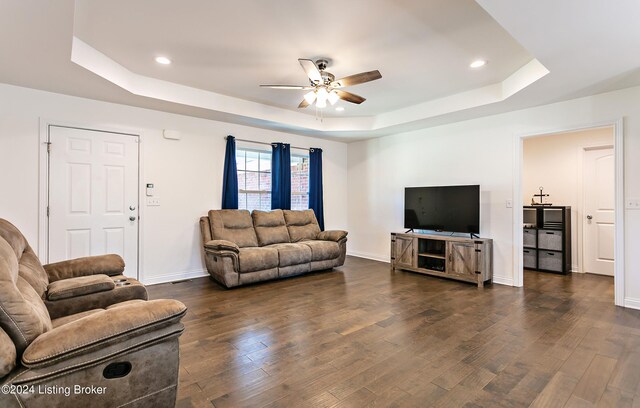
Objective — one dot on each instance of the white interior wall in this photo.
(555, 162)
(482, 151)
(187, 173)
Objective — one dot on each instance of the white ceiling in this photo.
(223, 50)
(422, 48)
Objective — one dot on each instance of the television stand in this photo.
(445, 256)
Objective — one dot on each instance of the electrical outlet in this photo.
(632, 203)
(153, 201)
(509, 203)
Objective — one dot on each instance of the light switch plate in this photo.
(153, 201)
(509, 203)
(632, 203)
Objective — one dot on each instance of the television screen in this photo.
(444, 208)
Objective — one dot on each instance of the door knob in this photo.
(132, 218)
(132, 208)
(589, 217)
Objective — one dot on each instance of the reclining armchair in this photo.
(75, 334)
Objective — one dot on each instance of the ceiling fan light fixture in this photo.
(322, 96)
(310, 97)
(333, 97)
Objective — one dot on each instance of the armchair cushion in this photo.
(335, 235)
(82, 285)
(221, 245)
(91, 265)
(98, 330)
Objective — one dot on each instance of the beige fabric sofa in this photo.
(242, 247)
(79, 334)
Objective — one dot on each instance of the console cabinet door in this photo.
(461, 259)
(404, 251)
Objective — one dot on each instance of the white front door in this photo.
(93, 195)
(599, 211)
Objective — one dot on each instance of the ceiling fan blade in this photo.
(349, 97)
(303, 104)
(286, 87)
(310, 69)
(356, 79)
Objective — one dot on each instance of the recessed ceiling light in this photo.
(340, 108)
(478, 63)
(163, 60)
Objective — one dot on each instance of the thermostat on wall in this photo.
(149, 191)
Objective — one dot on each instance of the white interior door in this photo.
(93, 195)
(599, 211)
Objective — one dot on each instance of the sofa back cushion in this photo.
(29, 266)
(270, 227)
(302, 225)
(233, 225)
(23, 315)
(8, 355)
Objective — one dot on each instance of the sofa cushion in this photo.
(292, 254)
(323, 250)
(82, 285)
(270, 227)
(257, 259)
(233, 225)
(29, 266)
(23, 315)
(8, 354)
(302, 225)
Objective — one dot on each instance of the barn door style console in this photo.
(460, 258)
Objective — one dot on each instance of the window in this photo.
(299, 182)
(254, 180)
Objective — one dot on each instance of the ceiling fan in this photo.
(323, 86)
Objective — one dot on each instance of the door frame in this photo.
(43, 183)
(618, 149)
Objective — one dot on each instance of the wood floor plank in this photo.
(363, 336)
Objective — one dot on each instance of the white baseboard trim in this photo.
(632, 303)
(366, 255)
(177, 276)
(502, 280)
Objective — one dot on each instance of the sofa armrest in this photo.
(334, 235)
(82, 285)
(91, 265)
(221, 245)
(101, 330)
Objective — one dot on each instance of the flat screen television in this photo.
(443, 208)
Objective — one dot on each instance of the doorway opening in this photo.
(569, 204)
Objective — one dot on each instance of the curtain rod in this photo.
(269, 144)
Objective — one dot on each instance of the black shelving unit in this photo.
(547, 238)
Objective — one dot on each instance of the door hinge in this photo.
(48, 147)
(47, 211)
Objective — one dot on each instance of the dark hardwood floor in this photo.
(361, 336)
